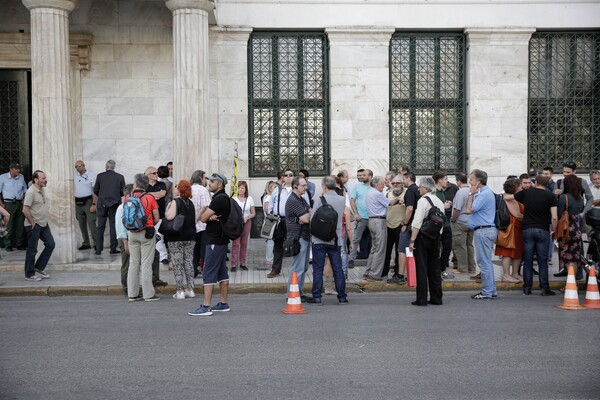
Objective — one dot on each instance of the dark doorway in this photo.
(15, 120)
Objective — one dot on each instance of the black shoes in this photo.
(416, 303)
(547, 292)
(165, 261)
(98, 252)
(562, 272)
(312, 300)
(526, 292)
(160, 283)
(243, 268)
(115, 252)
(9, 249)
(84, 247)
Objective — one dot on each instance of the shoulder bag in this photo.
(562, 227)
(175, 225)
(271, 222)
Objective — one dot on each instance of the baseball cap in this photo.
(15, 165)
(218, 177)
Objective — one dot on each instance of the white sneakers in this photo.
(179, 295)
(190, 293)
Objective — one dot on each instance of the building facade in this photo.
(321, 85)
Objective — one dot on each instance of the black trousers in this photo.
(393, 236)
(278, 247)
(428, 270)
(105, 213)
(446, 248)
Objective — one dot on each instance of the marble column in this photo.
(359, 96)
(498, 67)
(51, 117)
(191, 138)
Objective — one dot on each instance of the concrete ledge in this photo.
(280, 288)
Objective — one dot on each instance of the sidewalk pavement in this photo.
(100, 276)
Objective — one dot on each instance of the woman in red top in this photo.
(512, 257)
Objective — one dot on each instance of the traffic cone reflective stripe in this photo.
(294, 302)
(571, 301)
(592, 297)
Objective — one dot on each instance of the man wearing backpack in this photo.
(216, 243)
(322, 247)
(481, 207)
(141, 243)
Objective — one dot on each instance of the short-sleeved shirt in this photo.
(575, 205)
(149, 204)
(460, 204)
(35, 199)
(162, 205)
(538, 203)
(395, 213)
(12, 188)
(423, 207)
(245, 205)
(411, 198)
(295, 207)
(200, 198)
(484, 208)
(339, 205)
(84, 184)
(359, 193)
(440, 194)
(214, 229)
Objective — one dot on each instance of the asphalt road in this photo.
(378, 347)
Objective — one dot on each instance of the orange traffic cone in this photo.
(294, 303)
(592, 297)
(571, 297)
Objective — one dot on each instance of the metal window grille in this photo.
(564, 99)
(427, 102)
(10, 151)
(288, 102)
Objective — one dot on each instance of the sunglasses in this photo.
(152, 173)
(288, 175)
(396, 183)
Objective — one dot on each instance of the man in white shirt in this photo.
(85, 204)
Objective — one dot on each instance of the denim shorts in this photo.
(215, 264)
(404, 240)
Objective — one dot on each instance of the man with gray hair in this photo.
(377, 204)
(481, 207)
(109, 190)
(332, 248)
(201, 200)
(426, 249)
(141, 244)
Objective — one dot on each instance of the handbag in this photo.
(562, 227)
(291, 247)
(411, 269)
(173, 226)
(269, 225)
(506, 238)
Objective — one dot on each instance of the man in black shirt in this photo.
(411, 198)
(158, 190)
(297, 220)
(109, 190)
(540, 213)
(215, 242)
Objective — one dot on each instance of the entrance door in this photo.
(15, 120)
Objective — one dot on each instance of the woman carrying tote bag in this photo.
(181, 243)
(570, 248)
(511, 248)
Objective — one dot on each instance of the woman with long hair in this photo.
(570, 250)
(266, 200)
(512, 257)
(239, 247)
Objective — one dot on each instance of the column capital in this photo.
(66, 5)
(206, 5)
(503, 36)
(359, 35)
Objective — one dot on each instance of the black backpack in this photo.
(323, 224)
(502, 216)
(234, 224)
(433, 222)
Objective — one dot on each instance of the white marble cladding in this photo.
(228, 74)
(497, 76)
(359, 97)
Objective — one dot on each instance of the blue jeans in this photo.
(34, 234)
(535, 242)
(319, 252)
(484, 239)
(300, 264)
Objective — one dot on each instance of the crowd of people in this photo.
(385, 219)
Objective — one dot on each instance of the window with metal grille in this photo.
(564, 99)
(288, 102)
(427, 102)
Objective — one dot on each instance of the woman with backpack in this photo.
(513, 253)
(182, 242)
(570, 247)
(239, 247)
